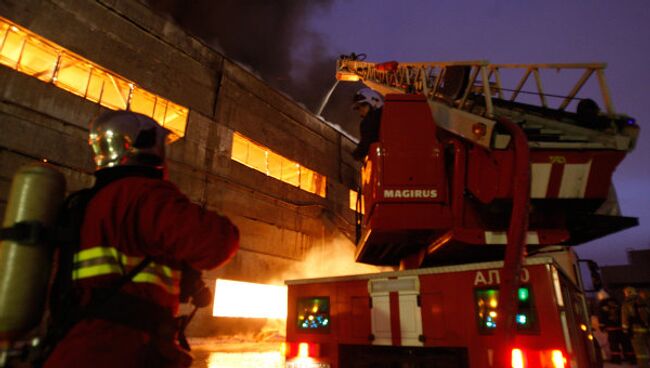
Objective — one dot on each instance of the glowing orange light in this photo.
(261, 158)
(303, 350)
(249, 300)
(493, 303)
(33, 55)
(558, 359)
(583, 327)
(347, 77)
(517, 358)
(479, 129)
(353, 202)
(221, 359)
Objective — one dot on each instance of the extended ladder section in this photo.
(466, 98)
(452, 191)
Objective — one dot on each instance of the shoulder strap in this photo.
(65, 308)
(64, 301)
(68, 232)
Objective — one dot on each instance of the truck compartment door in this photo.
(396, 317)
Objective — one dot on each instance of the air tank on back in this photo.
(35, 197)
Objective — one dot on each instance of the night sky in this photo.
(293, 45)
(516, 31)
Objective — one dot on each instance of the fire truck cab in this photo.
(441, 317)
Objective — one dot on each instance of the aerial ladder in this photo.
(513, 172)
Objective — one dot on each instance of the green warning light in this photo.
(523, 294)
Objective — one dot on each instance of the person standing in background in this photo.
(635, 316)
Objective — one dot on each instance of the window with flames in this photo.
(31, 54)
(261, 158)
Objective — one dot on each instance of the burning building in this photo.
(284, 176)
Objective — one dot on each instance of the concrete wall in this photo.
(279, 223)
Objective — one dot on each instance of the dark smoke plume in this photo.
(273, 38)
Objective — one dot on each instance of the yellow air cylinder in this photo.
(36, 194)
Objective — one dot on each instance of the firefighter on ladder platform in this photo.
(137, 232)
(368, 104)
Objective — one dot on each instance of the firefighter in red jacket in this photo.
(140, 225)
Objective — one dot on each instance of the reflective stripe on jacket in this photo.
(131, 217)
(101, 261)
(136, 217)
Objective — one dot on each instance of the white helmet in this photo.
(367, 95)
(126, 138)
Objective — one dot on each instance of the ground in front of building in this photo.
(210, 353)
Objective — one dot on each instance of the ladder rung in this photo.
(543, 138)
(574, 138)
(551, 131)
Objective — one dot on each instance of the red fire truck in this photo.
(437, 317)
(468, 187)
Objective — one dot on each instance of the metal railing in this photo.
(483, 78)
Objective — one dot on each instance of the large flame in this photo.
(249, 300)
(266, 359)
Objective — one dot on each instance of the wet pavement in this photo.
(229, 354)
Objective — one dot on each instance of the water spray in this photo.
(327, 98)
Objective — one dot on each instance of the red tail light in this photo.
(518, 358)
(301, 350)
(558, 359)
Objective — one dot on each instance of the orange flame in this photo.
(249, 300)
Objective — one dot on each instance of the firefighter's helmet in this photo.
(602, 295)
(367, 95)
(629, 290)
(126, 138)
